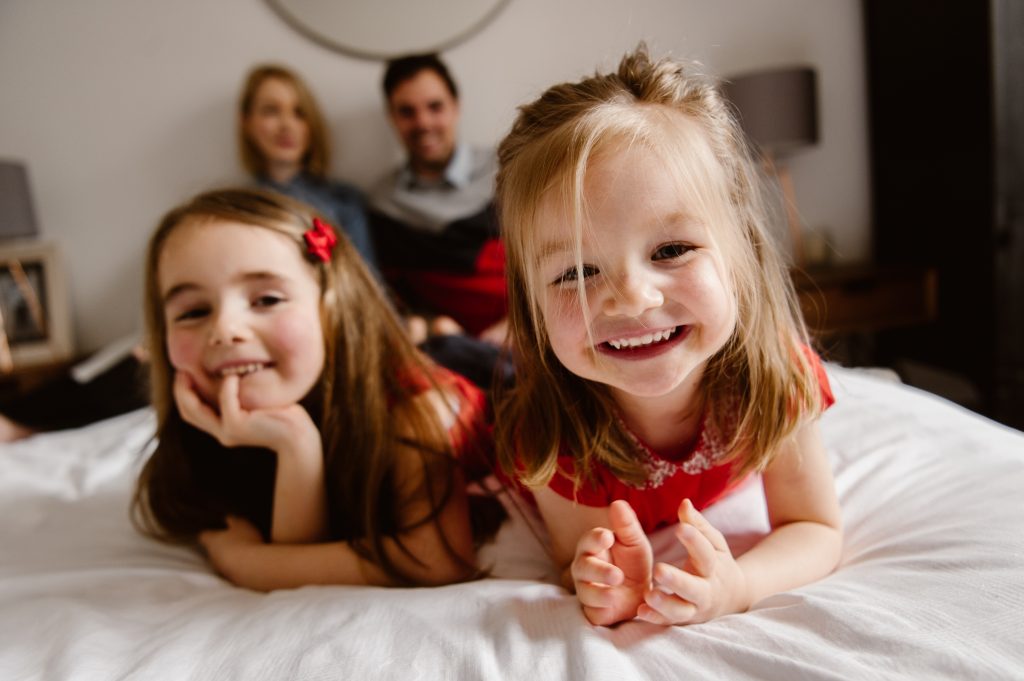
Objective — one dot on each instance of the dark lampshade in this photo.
(17, 219)
(777, 108)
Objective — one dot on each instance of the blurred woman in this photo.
(283, 144)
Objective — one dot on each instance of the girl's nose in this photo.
(633, 294)
(228, 328)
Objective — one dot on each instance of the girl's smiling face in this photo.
(240, 299)
(657, 300)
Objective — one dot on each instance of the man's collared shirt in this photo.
(465, 189)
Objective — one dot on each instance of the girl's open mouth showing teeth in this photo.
(643, 341)
(242, 369)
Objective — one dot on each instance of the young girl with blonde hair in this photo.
(660, 354)
(301, 438)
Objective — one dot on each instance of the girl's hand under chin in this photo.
(709, 584)
(277, 429)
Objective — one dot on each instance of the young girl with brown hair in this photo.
(301, 438)
(660, 356)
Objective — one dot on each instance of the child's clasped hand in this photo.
(616, 578)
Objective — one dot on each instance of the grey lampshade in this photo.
(777, 108)
(17, 218)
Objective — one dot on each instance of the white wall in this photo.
(123, 108)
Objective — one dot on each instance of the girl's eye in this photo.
(671, 251)
(192, 314)
(575, 273)
(268, 300)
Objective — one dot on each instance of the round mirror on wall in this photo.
(383, 29)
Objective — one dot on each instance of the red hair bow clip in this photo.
(320, 240)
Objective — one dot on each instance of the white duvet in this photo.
(931, 583)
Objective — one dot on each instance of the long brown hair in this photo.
(317, 159)
(190, 482)
(760, 386)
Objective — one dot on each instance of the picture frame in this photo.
(35, 327)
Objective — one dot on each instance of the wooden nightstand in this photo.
(855, 301)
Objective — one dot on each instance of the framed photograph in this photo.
(35, 319)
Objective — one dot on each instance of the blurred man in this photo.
(433, 218)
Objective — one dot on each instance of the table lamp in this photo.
(778, 109)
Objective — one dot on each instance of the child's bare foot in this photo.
(445, 326)
(416, 326)
(12, 430)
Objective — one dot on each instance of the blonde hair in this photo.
(317, 158)
(371, 370)
(760, 386)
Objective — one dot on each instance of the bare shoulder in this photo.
(424, 444)
(438, 404)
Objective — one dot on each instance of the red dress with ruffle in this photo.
(697, 473)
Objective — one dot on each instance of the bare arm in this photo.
(602, 553)
(806, 538)
(240, 554)
(804, 544)
(300, 500)
(243, 558)
(566, 522)
(300, 494)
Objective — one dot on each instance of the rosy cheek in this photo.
(185, 354)
(301, 338)
(564, 317)
(289, 335)
(565, 335)
(177, 350)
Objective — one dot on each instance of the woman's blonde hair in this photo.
(371, 370)
(317, 159)
(760, 386)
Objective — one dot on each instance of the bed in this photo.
(930, 586)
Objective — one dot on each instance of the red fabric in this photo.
(476, 300)
(655, 506)
(472, 436)
(656, 503)
(491, 259)
(827, 398)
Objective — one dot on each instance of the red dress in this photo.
(696, 474)
(471, 433)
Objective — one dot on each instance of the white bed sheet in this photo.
(931, 583)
